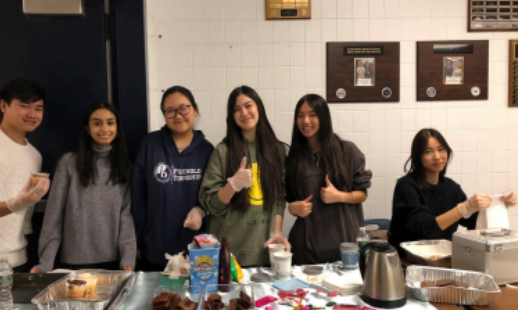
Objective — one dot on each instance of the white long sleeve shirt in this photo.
(17, 162)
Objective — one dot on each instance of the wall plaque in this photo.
(452, 70)
(499, 15)
(513, 73)
(362, 72)
(288, 9)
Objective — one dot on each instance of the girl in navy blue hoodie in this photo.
(167, 177)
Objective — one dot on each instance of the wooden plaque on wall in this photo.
(492, 15)
(513, 73)
(452, 70)
(288, 9)
(362, 72)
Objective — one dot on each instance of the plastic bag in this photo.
(235, 269)
(495, 216)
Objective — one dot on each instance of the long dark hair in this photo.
(333, 156)
(269, 162)
(120, 165)
(419, 144)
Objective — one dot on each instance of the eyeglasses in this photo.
(183, 111)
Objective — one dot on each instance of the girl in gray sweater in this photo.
(88, 213)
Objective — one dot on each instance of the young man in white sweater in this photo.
(21, 102)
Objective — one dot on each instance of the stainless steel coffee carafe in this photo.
(383, 279)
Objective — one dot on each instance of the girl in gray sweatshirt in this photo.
(88, 213)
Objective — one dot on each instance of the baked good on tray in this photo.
(425, 284)
(91, 282)
(443, 283)
(214, 302)
(76, 288)
(172, 301)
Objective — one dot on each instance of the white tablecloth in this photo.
(145, 283)
(320, 299)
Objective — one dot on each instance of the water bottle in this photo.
(362, 238)
(6, 284)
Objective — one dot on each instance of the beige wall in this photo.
(212, 46)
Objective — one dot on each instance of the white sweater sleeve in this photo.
(27, 224)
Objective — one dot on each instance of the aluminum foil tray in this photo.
(112, 287)
(482, 287)
(433, 246)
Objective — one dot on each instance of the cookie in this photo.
(444, 282)
(460, 284)
(425, 284)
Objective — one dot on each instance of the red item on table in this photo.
(297, 296)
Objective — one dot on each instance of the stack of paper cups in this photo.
(272, 248)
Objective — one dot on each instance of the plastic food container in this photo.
(184, 291)
(434, 253)
(481, 292)
(230, 291)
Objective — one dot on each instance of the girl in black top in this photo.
(426, 204)
(326, 183)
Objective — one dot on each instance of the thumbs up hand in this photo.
(242, 178)
(301, 208)
(330, 194)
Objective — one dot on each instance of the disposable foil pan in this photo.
(112, 287)
(431, 246)
(482, 287)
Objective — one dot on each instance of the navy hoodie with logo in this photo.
(165, 188)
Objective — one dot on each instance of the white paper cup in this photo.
(283, 264)
(272, 248)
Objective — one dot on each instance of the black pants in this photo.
(107, 266)
(22, 268)
(144, 265)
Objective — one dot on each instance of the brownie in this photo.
(207, 305)
(187, 304)
(241, 307)
(233, 304)
(175, 301)
(425, 284)
(460, 284)
(218, 305)
(214, 297)
(161, 299)
(444, 282)
(244, 300)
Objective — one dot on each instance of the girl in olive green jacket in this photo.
(243, 185)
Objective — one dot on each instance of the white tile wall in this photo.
(212, 46)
